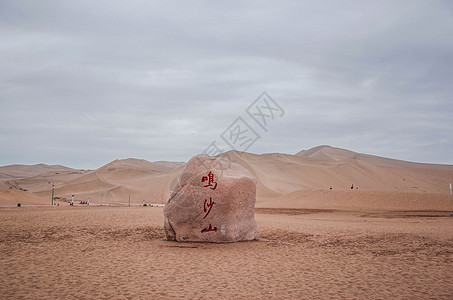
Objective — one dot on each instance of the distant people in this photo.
(330, 187)
(352, 186)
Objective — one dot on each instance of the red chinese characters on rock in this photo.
(208, 229)
(210, 179)
(207, 206)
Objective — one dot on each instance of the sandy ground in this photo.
(120, 253)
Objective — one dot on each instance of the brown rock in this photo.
(213, 200)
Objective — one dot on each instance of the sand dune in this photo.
(25, 171)
(115, 182)
(304, 181)
(13, 197)
(280, 174)
(326, 152)
(43, 181)
(283, 179)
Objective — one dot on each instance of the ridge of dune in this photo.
(25, 171)
(115, 182)
(44, 181)
(140, 164)
(326, 152)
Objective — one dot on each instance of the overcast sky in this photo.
(85, 82)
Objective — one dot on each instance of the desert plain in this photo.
(333, 224)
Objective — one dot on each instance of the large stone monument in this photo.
(213, 200)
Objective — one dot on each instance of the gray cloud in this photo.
(83, 83)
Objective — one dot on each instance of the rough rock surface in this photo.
(213, 200)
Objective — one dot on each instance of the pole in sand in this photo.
(72, 202)
(129, 200)
(52, 195)
(450, 189)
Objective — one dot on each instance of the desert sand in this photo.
(120, 253)
(391, 236)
